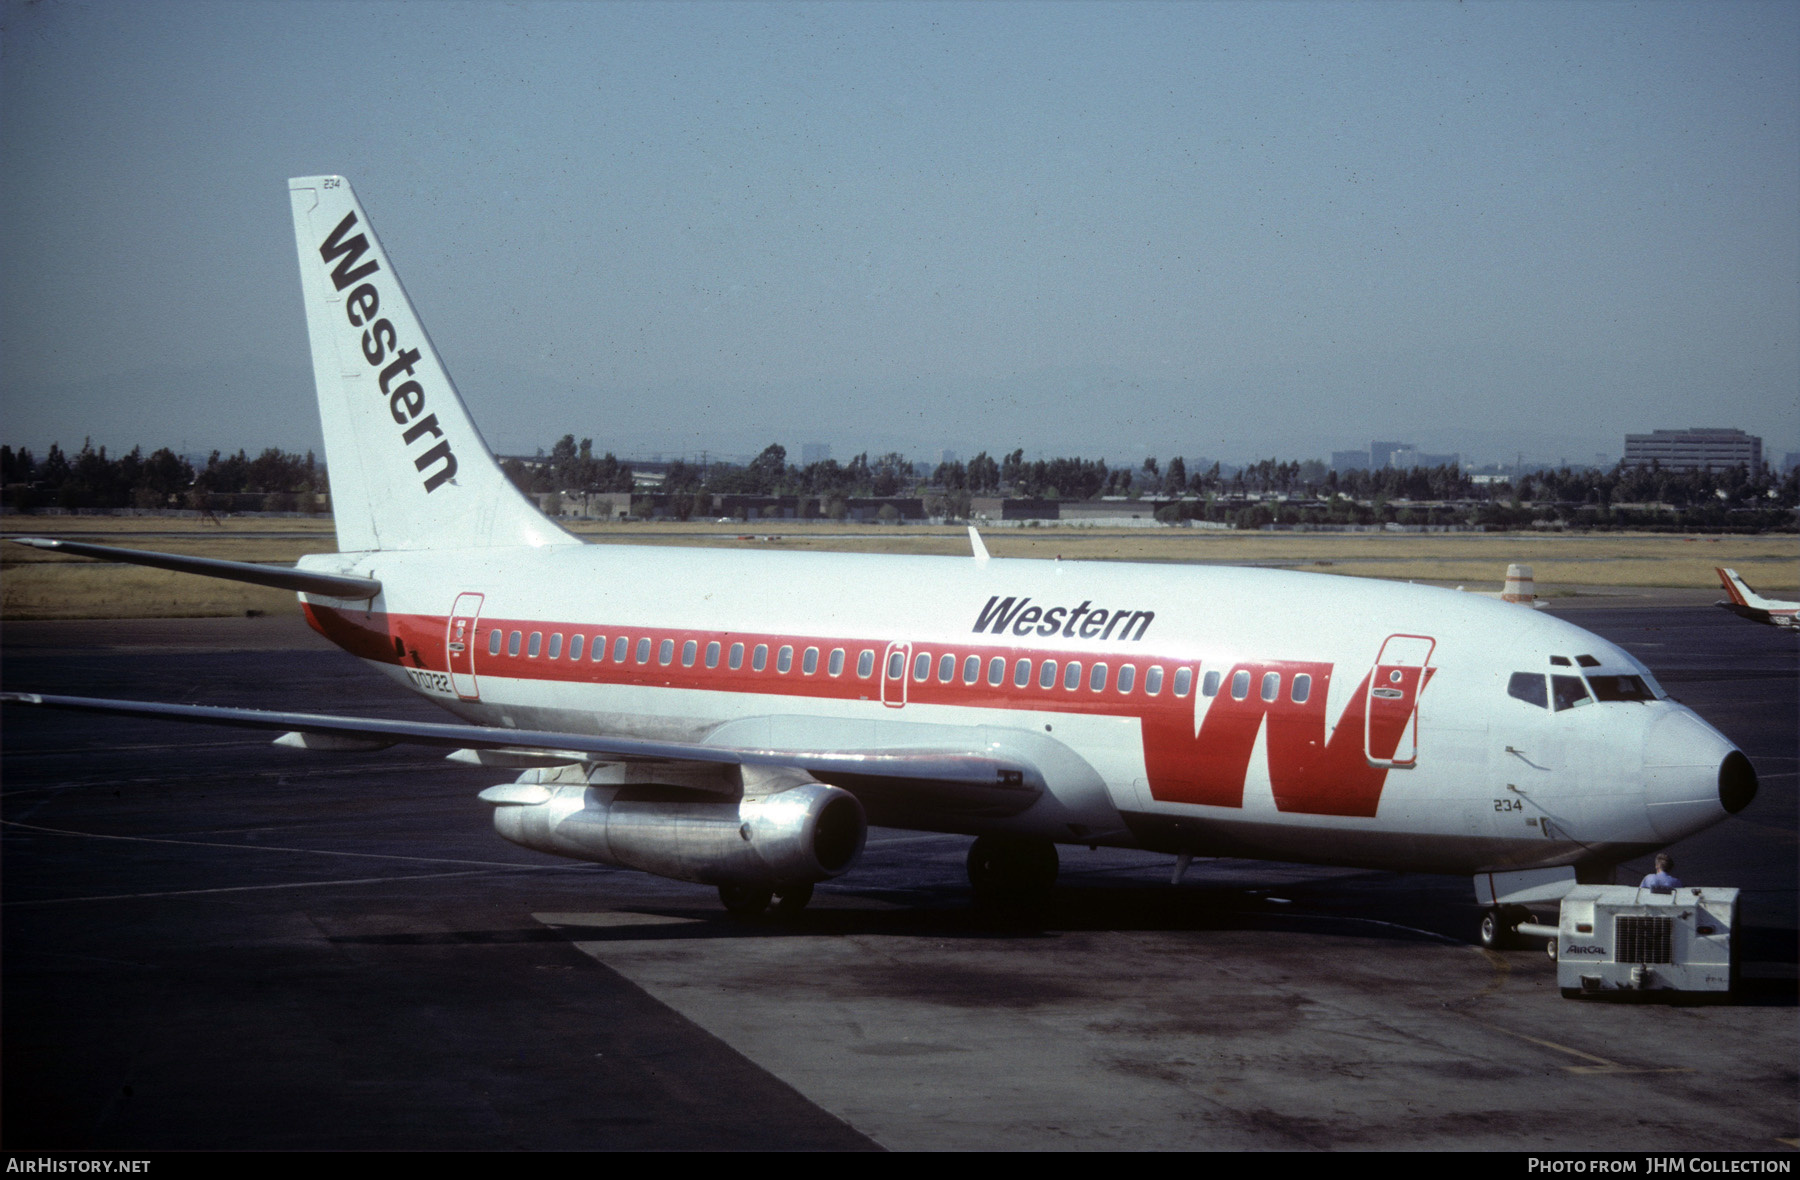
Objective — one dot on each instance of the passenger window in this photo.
(1271, 685)
(665, 652)
(896, 665)
(689, 650)
(712, 654)
(536, 645)
(1302, 688)
(620, 646)
(737, 656)
(809, 663)
(1240, 685)
(575, 642)
(971, 669)
(1153, 680)
(1528, 687)
(835, 665)
(759, 659)
(643, 651)
(512, 643)
(1209, 685)
(1097, 679)
(1021, 673)
(494, 641)
(555, 652)
(865, 664)
(1047, 674)
(784, 659)
(997, 670)
(1072, 675)
(922, 667)
(1568, 692)
(946, 668)
(1184, 680)
(1127, 676)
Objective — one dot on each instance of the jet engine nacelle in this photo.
(805, 833)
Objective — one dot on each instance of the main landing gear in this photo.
(1012, 871)
(749, 901)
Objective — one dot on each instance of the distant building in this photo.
(1698, 449)
(946, 457)
(1381, 454)
(811, 453)
(1407, 458)
(1390, 454)
(1790, 461)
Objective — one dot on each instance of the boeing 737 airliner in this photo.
(739, 718)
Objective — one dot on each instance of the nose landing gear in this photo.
(1497, 926)
(1510, 927)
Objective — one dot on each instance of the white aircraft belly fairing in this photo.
(737, 718)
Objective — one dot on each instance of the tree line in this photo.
(1284, 492)
(92, 479)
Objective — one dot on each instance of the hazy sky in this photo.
(1232, 230)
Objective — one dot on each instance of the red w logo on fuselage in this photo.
(1313, 769)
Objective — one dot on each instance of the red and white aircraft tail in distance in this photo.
(739, 718)
(1741, 600)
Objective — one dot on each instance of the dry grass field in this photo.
(39, 585)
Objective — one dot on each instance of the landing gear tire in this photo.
(1012, 870)
(1497, 927)
(745, 901)
(791, 899)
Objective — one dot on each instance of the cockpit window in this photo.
(1587, 661)
(1568, 692)
(1560, 661)
(1619, 688)
(1528, 687)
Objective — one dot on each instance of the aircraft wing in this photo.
(279, 577)
(965, 782)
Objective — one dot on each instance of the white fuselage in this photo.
(1294, 716)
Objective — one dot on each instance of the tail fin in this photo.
(1739, 593)
(408, 469)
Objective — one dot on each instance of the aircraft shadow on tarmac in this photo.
(946, 915)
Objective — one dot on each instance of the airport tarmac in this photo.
(208, 942)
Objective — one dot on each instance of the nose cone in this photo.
(1693, 776)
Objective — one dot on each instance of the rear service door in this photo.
(1391, 713)
(459, 645)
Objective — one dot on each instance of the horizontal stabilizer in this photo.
(280, 577)
(995, 786)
